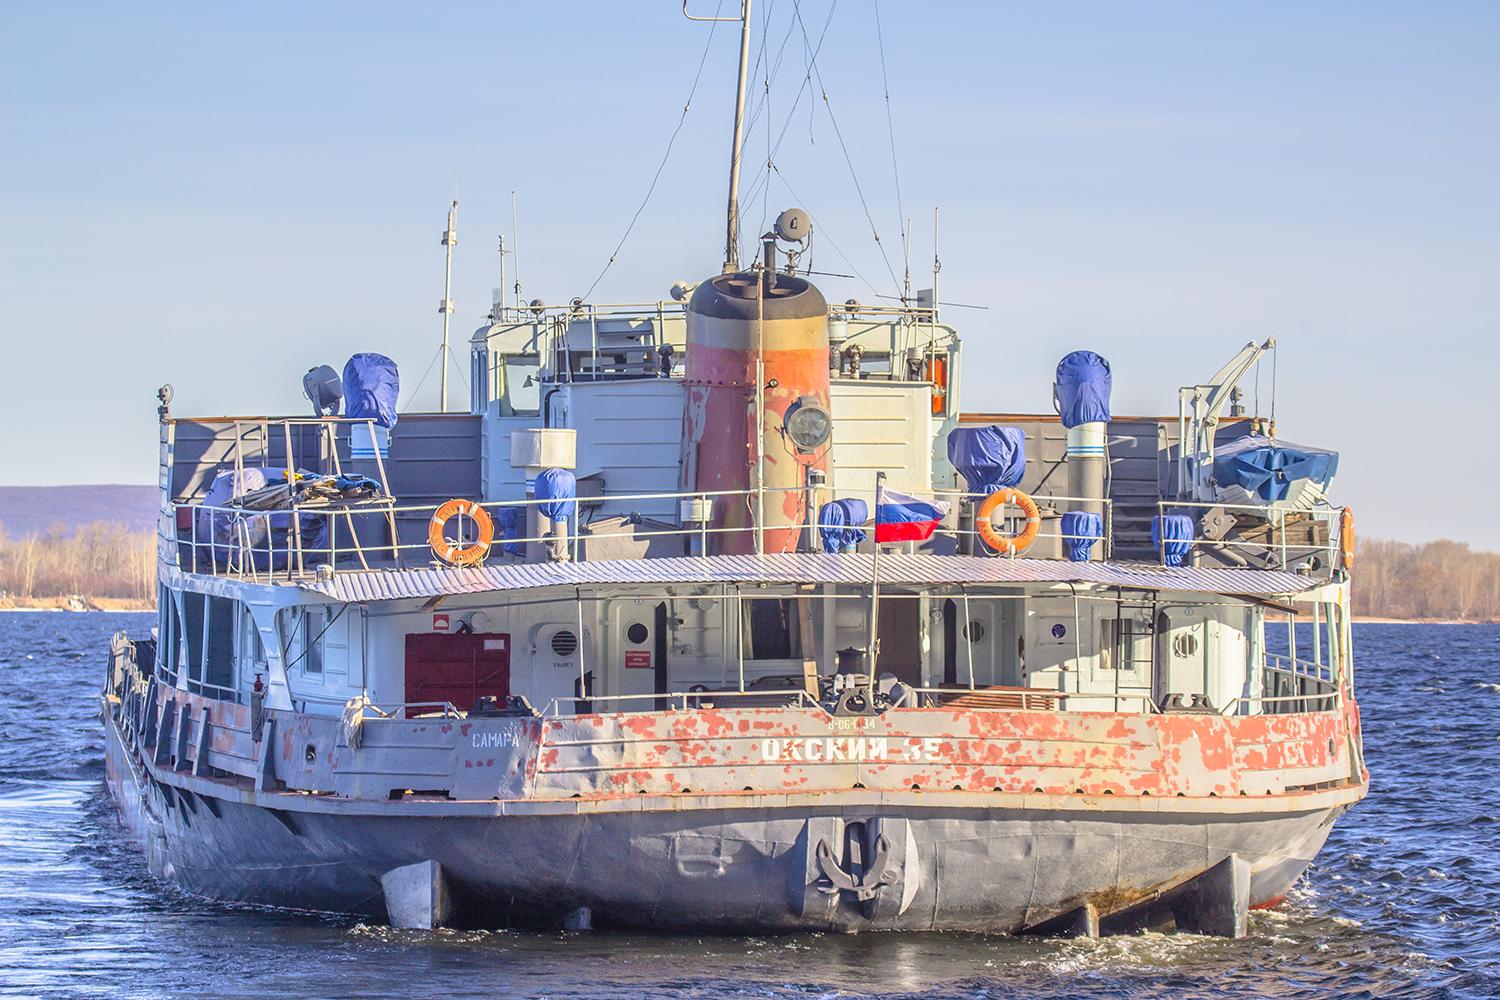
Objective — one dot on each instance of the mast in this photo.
(732, 228)
(450, 237)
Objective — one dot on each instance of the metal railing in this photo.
(265, 545)
(1279, 521)
(799, 698)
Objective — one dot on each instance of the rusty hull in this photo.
(722, 819)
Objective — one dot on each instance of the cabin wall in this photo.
(881, 426)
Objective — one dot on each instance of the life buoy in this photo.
(1346, 536)
(1009, 544)
(451, 552)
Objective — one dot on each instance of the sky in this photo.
(221, 196)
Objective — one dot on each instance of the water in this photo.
(1403, 902)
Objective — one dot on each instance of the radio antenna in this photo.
(450, 238)
(515, 248)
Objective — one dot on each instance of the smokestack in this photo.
(743, 332)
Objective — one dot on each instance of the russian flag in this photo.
(903, 518)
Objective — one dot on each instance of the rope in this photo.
(666, 155)
(822, 232)
(763, 175)
(890, 128)
(849, 160)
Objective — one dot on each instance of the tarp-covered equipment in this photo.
(1267, 466)
(989, 458)
(557, 488)
(1083, 384)
(224, 537)
(839, 524)
(1080, 530)
(371, 387)
(1172, 536)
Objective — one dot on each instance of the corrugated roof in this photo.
(897, 569)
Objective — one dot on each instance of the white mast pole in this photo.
(450, 237)
(732, 232)
(515, 248)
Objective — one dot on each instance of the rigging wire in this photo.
(849, 160)
(823, 233)
(765, 33)
(890, 128)
(763, 174)
(666, 155)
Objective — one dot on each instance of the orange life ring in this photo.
(1009, 544)
(1346, 536)
(452, 553)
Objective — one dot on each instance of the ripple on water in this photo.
(1402, 902)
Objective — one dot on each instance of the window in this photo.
(168, 636)
(1125, 645)
(192, 625)
(314, 625)
(219, 667)
(772, 629)
(252, 650)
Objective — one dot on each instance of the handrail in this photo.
(239, 556)
(801, 695)
(1276, 519)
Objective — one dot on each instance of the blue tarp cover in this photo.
(558, 487)
(371, 386)
(1265, 466)
(512, 522)
(838, 523)
(989, 458)
(1172, 536)
(1080, 530)
(1083, 383)
(219, 540)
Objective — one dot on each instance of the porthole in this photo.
(637, 633)
(1185, 644)
(974, 631)
(564, 643)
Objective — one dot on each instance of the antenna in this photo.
(515, 248)
(500, 292)
(450, 238)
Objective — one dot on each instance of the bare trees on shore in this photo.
(100, 559)
(1441, 580)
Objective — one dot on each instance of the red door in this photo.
(458, 669)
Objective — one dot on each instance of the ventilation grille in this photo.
(564, 643)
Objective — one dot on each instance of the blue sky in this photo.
(222, 195)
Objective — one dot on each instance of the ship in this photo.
(718, 613)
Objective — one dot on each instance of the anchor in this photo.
(865, 881)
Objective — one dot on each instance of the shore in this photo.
(72, 604)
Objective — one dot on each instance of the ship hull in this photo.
(738, 867)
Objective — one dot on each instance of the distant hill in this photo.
(26, 510)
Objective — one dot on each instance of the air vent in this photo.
(564, 643)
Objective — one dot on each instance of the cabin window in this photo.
(219, 667)
(192, 627)
(772, 630)
(168, 631)
(1125, 644)
(314, 624)
(252, 650)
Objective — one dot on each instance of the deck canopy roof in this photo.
(852, 569)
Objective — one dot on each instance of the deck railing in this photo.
(266, 545)
(1276, 551)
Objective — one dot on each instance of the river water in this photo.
(1403, 902)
